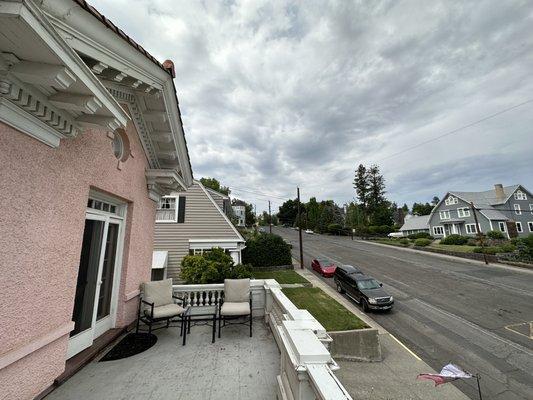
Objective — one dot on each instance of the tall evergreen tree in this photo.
(376, 188)
(361, 186)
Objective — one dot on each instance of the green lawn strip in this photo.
(282, 276)
(453, 247)
(330, 313)
(390, 242)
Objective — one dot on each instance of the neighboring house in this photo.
(190, 222)
(90, 139)
(239, 210)
(222, 200)
(507, 209)
(415, 224)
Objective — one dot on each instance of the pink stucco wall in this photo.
(43, 196)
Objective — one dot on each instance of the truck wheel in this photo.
(365, 306)
(339, 288)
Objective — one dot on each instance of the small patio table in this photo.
(206, 317)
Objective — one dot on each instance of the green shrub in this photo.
(385, 229)
(420, 235)
(334, 228)
(212, 267)
(454, 239)
(422, 242)
(267, 250)
(495, 235)
(508, 247)
(489, 250)
(471, 242)
(404, 241)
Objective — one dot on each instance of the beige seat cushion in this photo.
(229, 308)
(168, 310)
(236, 290)
(158, 292)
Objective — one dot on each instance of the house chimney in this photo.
(498, 190)
(169, 66)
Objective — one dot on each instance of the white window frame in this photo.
(176, 202)
(444, 212)
(519, 224)
(530, 226)
(469, 230)
(502, 224)
(517, 209)
(519, 195)
(531, 208)
(435, 230)
(463, 212)
(450, 200)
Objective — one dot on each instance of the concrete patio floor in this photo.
(234, 367)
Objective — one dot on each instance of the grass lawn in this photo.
(330, 313)
(453, 247)
(391, 242)
(282, 276)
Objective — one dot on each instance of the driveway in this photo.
(448, 310)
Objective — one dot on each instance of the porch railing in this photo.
(306, 368)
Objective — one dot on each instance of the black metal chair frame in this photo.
(150, 320)
(224, 320)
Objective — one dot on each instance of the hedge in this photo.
(420, 235)
(495, 235)
(267, 250)
(422, 242)
(212, 267)
(454, 239)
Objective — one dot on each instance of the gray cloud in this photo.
(276, 94)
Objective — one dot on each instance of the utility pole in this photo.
(480, 235)
(300, 230)
(269, 218)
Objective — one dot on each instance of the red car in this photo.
(324, 267)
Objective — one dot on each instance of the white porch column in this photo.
(236, 255)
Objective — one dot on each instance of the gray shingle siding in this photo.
(488, 215)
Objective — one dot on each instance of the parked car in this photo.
(363, 289)
(395, 235)
(309, 231)
(324, 267)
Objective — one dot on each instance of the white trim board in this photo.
(24, 122)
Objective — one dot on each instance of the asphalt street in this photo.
(447, 310)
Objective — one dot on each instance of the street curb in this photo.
(446, 256)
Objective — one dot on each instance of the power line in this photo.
(444, 135)
(458, 129)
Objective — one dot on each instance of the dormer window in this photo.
(451, 200)
(519, 195)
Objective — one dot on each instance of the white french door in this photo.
(98, 278)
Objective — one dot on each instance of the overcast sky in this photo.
(279, 94)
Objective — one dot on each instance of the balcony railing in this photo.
(306, 368)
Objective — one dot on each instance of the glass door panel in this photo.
(87, 276)
(108, 272)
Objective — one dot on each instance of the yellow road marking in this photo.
(405, 347)
(530, 336)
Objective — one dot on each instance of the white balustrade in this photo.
(306, 368)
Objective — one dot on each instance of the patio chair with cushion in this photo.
(157, 304)
(235, 303)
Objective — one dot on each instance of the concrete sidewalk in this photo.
(392, 378)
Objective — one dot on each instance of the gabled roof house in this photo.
(507, 209)
(192, 221)
(415, 224)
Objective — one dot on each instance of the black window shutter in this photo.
(181, 210)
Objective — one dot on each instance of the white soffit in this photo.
(44, 76)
